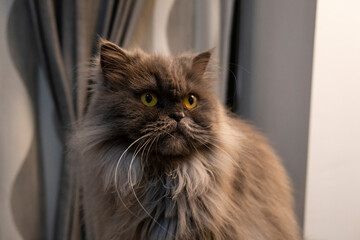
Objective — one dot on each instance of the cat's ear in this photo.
(113, 62)
(201, 61)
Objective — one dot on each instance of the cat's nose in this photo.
(177, 116)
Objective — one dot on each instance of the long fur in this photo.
(219, 180)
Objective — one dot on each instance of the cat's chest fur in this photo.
(191, 200)
(236, 190)
(179, 204)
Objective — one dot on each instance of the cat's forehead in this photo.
(171, 74)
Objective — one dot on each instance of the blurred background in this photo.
(289, 67)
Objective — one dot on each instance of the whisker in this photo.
(147, 155)
(142, 153)
(137, 199)
(116, 172)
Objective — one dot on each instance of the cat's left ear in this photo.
(201, 61)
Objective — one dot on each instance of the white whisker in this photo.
(132, 188)
(116, 172)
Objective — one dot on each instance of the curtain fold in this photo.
(47, 36)
(21, 180)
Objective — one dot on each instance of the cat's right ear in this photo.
(113, 61)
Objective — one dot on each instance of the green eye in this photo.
(190, 101)
(149, 99)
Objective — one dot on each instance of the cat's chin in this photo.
(175, 145)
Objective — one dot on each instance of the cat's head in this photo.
(166, 104)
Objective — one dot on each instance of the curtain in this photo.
(21, 178)
(273, 75)
(44, 46)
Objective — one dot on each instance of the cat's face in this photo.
(165, 104)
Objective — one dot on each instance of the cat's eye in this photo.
(149, 99)
(190, 101)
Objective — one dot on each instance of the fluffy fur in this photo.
(146, 175)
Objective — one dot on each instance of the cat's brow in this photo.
(163, 81)
(158, 79)
(146, 84)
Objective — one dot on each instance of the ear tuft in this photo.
(113, 61)
(111, 53)
(200, 62)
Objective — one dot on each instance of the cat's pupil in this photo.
(191, 100)
(148, 98)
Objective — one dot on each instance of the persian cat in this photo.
(161, 158)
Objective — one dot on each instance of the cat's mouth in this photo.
(178, 129)
(176, 141)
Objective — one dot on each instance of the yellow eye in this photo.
(190, 101)
(149, 99)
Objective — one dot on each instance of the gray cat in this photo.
(161, 158)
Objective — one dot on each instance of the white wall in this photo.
(333, 182)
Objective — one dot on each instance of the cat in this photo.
(161, 158)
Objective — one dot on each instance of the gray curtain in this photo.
(43, 46)
(273, 79)
(21, 178)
